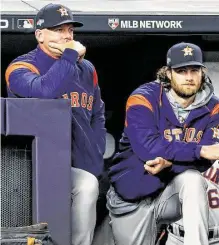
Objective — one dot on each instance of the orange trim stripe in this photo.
(95, 78)
(138, 99)
(215, 110)
(18, 65)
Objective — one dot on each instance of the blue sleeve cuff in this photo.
(197, 152)
(70, 55)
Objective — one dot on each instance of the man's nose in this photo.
(68, 35)
(189, 76)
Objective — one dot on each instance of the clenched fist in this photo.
(157, 165)
(59, 48)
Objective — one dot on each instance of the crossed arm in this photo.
(156, 165)
(148, 143)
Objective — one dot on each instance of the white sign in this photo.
(145, 24)
(113, 23)
(4, 23)
(151, 24)
(25, 23)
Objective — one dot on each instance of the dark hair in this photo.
(165, 81)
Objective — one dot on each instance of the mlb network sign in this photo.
(145, 24)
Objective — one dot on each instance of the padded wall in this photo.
(49, 122)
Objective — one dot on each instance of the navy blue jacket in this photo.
(152, 130)
(38, 75)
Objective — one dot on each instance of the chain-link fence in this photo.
(16, 184)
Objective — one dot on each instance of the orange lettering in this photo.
(167, 135)
(65, 96)
(74, 99)
(90, 103)
(199, 136)
(190, 133)
(84, 100)
(177, 132)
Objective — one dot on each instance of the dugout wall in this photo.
(35, 152)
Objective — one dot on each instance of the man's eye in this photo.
(58, 30)
(181, 71)
(195, 70)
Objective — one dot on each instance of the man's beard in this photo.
(182, 92)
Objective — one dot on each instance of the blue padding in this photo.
(50, 122)
(2, 102)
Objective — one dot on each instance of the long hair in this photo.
(166, 83)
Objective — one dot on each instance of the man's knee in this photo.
(193, 179)
(88, 187)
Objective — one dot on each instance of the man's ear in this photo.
(39, 35)
(169, 75)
